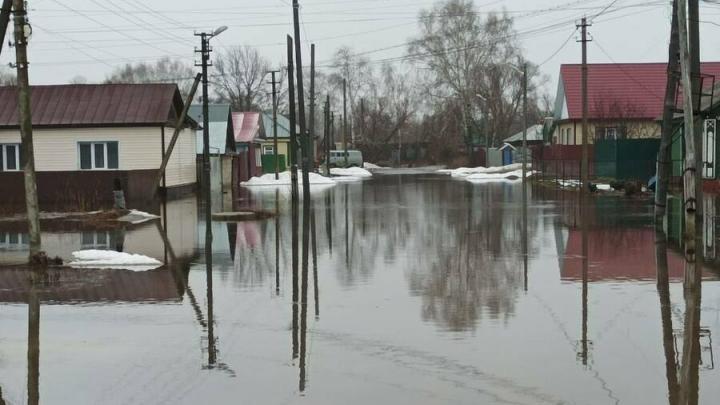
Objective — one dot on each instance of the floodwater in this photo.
(417, 291)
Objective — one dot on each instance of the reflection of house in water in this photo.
(91, 285)
(616, 254)
(146, 238)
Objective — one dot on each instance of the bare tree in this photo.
(78, 79)
(165, 70)
(241, 78)
(470, 59)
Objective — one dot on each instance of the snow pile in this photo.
(515, 175)
(350, 171)
(284, 180)
(137, 217)
(467, 171)
(603, 187)
(108, 259)
(367, 165)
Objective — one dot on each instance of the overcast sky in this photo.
(90, 37)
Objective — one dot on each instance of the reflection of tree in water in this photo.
(459, 244)
(474, 266)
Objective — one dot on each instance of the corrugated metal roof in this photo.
(534, 133)
(246, 126)
(219, 119)
(639, 86)
(283, 126)
(94, 105)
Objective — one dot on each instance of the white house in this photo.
(88, 136)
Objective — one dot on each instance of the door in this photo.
(507, 156)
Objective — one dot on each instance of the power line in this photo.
(559, 49)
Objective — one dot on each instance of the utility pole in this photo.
(690, 173)
(205, 57)
(326, 135)
(664, 167)
(5, 11)
(696, 83)
(525, 124)
(293, 137)
(275, 139)
(301, 103)
(584, 170)
(311, 124)
(362, 119)
(344, 122)
(21, 64)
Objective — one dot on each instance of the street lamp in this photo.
(205, 58)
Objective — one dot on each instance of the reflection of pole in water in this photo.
(304, 294)
(328, 219)
(314, 258)
(525, 234)
(210, 320)
(277, 242)
(584, 230)
(33, 354)
(347, 229)
(689, 365)
(296, 281)
(663, 288)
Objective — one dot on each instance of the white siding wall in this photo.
(139, 148)
(181, 168)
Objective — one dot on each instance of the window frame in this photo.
(106, 157)
(265, 149)
(4, 160)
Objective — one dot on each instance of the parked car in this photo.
(354, 158)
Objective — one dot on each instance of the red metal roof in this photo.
(246, 126)
(637, 88)
(94, 104)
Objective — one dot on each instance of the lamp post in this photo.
(205, 58)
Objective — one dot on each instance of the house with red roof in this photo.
(625, 101)
(88, 136)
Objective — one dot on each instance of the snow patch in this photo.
(468, 171)
(368, 165)
(108, 259)
(284, 180)
(137, 217)
(515, 175)
(350, 171)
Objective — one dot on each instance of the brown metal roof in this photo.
(94, 105)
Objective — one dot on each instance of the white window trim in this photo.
(3, 151)
(268, 150)
(92, 155)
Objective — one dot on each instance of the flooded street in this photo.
(416, 291)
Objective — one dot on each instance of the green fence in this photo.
(626, 159)
(268, 163)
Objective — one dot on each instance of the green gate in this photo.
(626, 159)
(268, 163)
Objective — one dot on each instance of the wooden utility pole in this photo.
(344, 122)
(664, 162)
(275, 140)
(326, 135)
(311, 123)
(5, 11)
(179, 125)
(293, 137)
(696, 83)
(362, 119)
(21, 64)
(584, 170)
(690, 173)
(301, 104)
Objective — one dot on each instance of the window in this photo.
(96, 240)
(13, 241)
(9, 157)
(98, 155)
(268, 150)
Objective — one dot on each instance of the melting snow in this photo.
(108, 259)
(284, 180)
(350, 171)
